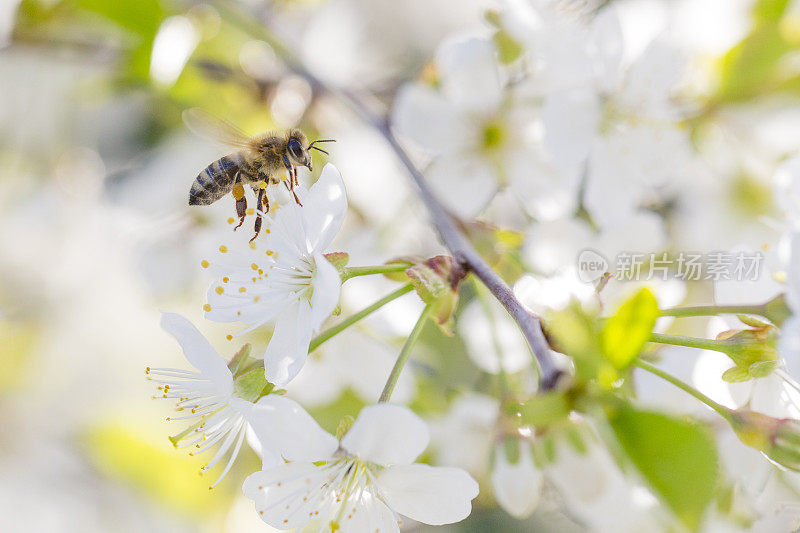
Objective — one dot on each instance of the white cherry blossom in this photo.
(284, 277)
(205, 397)
(208, 399)
(478, 135)
(517, 486)
(364, 481)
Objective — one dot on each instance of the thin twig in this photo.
(456, 242)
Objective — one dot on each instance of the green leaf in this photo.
(762, 369)
(141, 18)
(677, 458)
(736, 374)
(752, 322)
(626, 333)
(752, 66)
(769, 10)
(544, 409)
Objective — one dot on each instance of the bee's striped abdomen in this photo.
(215, 181)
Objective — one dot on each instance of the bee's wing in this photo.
(212, 128)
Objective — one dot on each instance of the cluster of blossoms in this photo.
(548, 127)
(360, 480)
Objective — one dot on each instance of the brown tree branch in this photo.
(455, 240)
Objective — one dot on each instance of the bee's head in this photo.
(297, 148)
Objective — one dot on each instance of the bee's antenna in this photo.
(310, 146)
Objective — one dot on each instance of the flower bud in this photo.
(777, 438)
(749, 346)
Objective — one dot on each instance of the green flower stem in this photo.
(351, 272)
(723, 411)
(690, 342)
(404, 353)
(352, 319)
(711, 310)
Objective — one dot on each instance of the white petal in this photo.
(286, 495)
(546, 191)
(327, 285)
(424, 116)
(484, 333)
(652, 77)
(387, 434)
(607, 45)
(324, 209)
(787, 188)
(517, 487)
(288, 347)
(286, 430)
(429, 494)
(469, 73)
(552, 245)
(198, 351)
(371, 515)
(464, 183)
(320, 382)
(613, 186)
(570, 121)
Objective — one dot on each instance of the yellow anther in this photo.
(229, 337)
(252, 245)
(270, 252)
(257, 298)
(219, 290)
(223, 248)
(262, 185)
(254, 266)
(204, 263)
(250, 211)
(147, 370)
(242, 289)
(230, 220)
(226, 279)
(207, 308)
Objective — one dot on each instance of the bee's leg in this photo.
(290, 173)
(293, 180)
(266, 199)
(264, 181)
(257, 227)
(241, 203)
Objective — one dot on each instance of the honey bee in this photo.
(257, 162)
